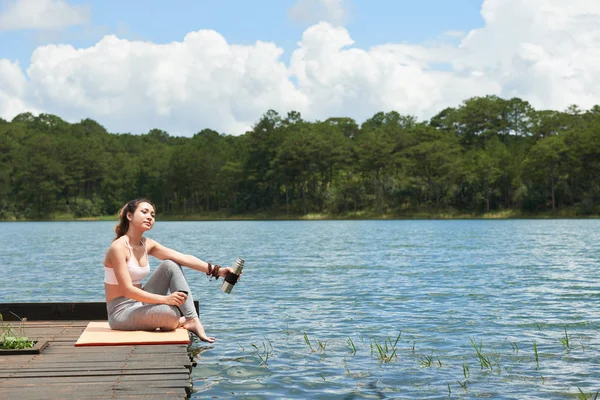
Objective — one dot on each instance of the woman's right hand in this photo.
(176, 299)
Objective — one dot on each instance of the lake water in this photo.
(322, 303)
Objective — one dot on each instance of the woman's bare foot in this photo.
(194, 326)
(181, 322)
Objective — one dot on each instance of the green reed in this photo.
(308, 341)
(386, 352)
(537, 361)
(583, 396)
(264, 354)
(351, 345)
(463, 384)
(426, 361)
(565, 340)
(287, 330)
(484, 361)
(321, 345)
(537, 358)
(513, 345)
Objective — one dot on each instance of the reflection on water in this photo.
(321, 303)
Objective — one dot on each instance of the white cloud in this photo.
(541, 51)
(311, 11)
(546, 51)
(183, 87)
(41, 14)
(12, 90)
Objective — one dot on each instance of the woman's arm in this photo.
(161, 252)
(117, 257)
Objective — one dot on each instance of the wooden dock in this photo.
(63, 371)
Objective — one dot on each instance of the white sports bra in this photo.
(136, 272)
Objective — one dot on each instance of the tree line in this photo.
(487, 154)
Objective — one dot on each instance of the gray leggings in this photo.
(126, 314)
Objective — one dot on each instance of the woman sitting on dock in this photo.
(165, 302)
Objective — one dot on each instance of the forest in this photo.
(487, 155)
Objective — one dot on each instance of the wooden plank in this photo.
(90, 391)
(92, 388)
(176, 373)
(99, 357)
(91, 367)
(41, 394)
(153, 349)
(139, 380)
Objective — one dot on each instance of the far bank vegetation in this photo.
(487, 157)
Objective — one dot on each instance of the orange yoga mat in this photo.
(100, 334)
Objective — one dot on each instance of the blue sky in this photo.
(244, 22)
(185, 65)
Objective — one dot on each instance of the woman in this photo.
(165, 301)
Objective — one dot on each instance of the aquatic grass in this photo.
(466, 374)
(537, 361)
(264, 354)
(496, 357)
(513, 345)
(583, 396)
(308, 341)
(287, 330)
(386, 352)
(351, 345)
(426, 361)
(565, 341)
(321, 345)
(484, 361)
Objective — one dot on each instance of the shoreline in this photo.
(359, 216)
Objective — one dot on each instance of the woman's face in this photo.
(143, 217)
